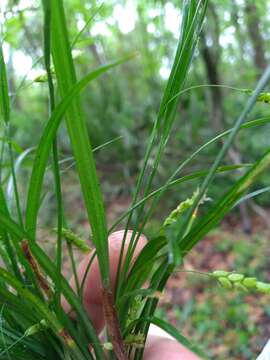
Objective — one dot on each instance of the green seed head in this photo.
(108, 346)
(32, 330)
(236, 277)
(44, 323)
(240, 286)
(264, 97)
(250, 282)
(224, 282)
(263, 287)
(220, 273)
(75, 240)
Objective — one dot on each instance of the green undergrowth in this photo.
(193, 302)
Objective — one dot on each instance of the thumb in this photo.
(165, 348)
(92, 295)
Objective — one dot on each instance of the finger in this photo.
(92, 296)
(162, 348)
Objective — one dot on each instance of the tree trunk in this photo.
(218, 117)
(238, 31)
(253, 27)
(216, 93)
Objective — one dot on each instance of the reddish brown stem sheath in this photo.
(66, 337)
(113, 325)
(36, 270)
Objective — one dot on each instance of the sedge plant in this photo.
(33, 323)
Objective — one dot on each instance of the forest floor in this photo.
(227, 324)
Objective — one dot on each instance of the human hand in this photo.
(158, 347)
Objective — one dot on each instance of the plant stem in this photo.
(113, 325)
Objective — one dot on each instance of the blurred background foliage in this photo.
(233, 51)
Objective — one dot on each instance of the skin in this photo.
(157, 347)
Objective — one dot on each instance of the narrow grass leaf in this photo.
(4, 97)
(250, 104)
(253, 194)
(171, 330)
(49, 268)
(45, 144)
(225, 204)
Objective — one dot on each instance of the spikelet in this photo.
(232, 280)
